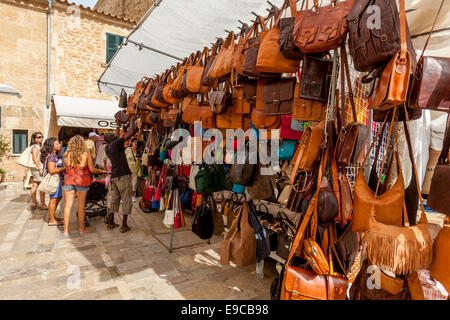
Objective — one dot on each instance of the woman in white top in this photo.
(36, 143)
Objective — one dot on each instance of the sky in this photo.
(86, 3)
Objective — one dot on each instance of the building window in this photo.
(20, 141)
(113, 41)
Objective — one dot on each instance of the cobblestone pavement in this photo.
(37, 262)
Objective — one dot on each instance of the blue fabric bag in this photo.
(287, 149)
(238, 188)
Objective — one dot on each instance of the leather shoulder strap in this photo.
(443, 158)
(431, 31)
(403, 48)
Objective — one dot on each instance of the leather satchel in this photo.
(430, 81)
(322, 28)
(220, 99)
(270, 58)
(209, 61)
(242, 174)
(315, 78)
(327, 204)
(194, 75)
(286, 40)
(370, 47)
(223, 62)
(439, 195)
(207, 117)
(158, 94)
(167, 91)
(240, 50)
(307, 155)
(244, 97)
(315, 257)
(170, 117)
(232, 120)
(239, 245)
(261, 189)
(392, 87)
(261, 121)
(190, 108)
(278, 96)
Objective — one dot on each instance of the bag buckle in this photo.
(276, 102)
(383, 37)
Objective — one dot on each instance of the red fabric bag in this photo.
(286, 132)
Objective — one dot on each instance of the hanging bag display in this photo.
(223, 62)
(194, 74)
(123, 99)
(278, 96)
(441, 256)
(167, 91)
(203, 225)
(210, 179)
(321, 29)
(220, 99)
(286, 40)
(244, 97)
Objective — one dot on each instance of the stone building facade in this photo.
(129, 9)
(78, 56)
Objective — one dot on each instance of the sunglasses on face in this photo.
(39, 137)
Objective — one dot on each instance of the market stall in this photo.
(337, 108)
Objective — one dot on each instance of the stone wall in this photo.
(78, 51)
(129, 9)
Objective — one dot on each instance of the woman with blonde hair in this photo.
(77, 179)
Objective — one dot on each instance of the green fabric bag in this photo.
(210, 179)
(139, 169)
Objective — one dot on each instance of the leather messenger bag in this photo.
(278, 96)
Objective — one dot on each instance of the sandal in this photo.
(42, 207)
(33, 206)
(58, 223)
(111, 226)
(124, 229)
(87, 231)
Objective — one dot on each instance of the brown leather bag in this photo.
(261, 121)
(270, 58)
(158, 92)
(301, 284)
(392, 87)
(441, 256)
(439, 195)
(388, 207)
(278, 96)
(194, 75)
(286, 41)
(191, 110)
(259, 103)
(223, 62)
(167, 91)
(209, 61)
(316, 258)
(307, 155)
(372, 47)
(244, 97)
(430, 82)
(241, 48)
(220, 99)
(232, 120)
(170, 117)
(239, 245)
(354, 136)
(177, 82)
(207, 117)
(322, 28)
(307, 110)
(315, 78)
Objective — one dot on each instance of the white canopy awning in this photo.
(85, 113)
(173, 29)
(8, 89)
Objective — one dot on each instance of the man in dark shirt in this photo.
(120, 174)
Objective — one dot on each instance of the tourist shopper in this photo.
(130, 152)
(120, 174)
(36, 143)
(77, 179)
(51, 156)
(90, 143)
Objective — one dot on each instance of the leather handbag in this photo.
(140, 87)
(439, 195)
(207, 118)
(278, 96)
(261, 188)
(261, 121)
(270, 58)
(242, 174)
(429, 87)
(286, 132)
(322, 28)
(167, 91)
(194, 75)
(177, 82)
(315, 257)
(251, 54)
(244, 97)
(220, 99)
(210, 179)
(232, 120)
(392, 87)
(239, 245)
(123, 99)
(371, 47)
(307, 110)
(387, 207)
(284, 239)
(190, 107)
(353, 137)
(158, 93)
(241, 48)
(286, 41)
(223, 62)
(307, 155)
(203, 224)
(327, 204)
(315, 78)
(209, 61)
(170, 117)
(121, 116)
(441, 255)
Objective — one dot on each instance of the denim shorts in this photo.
(71, 187)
